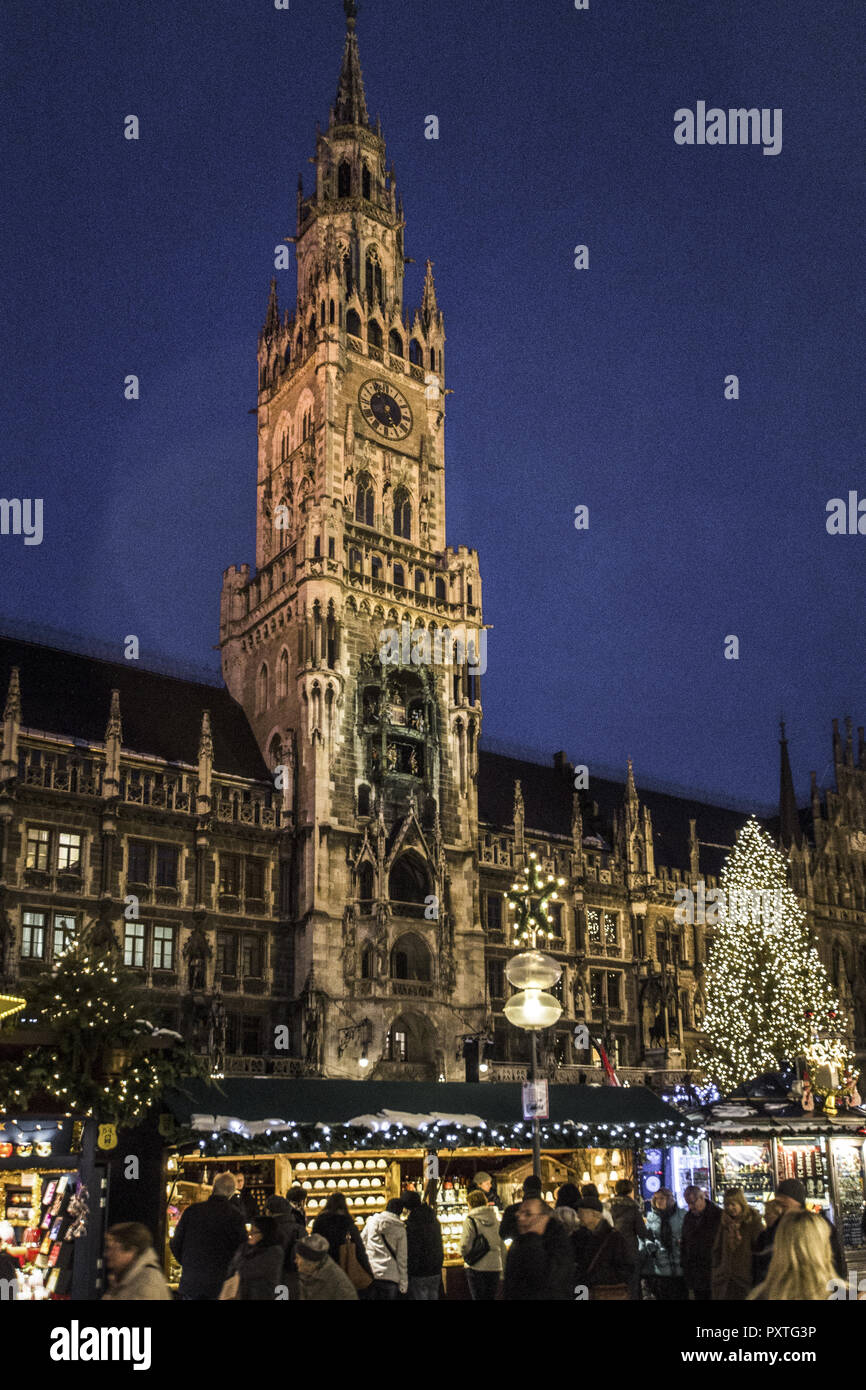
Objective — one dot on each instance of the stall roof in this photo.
(757, 1116)
(247, 1107)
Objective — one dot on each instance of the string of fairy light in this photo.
(93, 1012)
(442, 1134)
(532, 925)
(764, 980)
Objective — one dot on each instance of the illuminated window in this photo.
(38, 845)
(64, 933)
(33, 936)
(68, 852)
(133, 944)
(163, 948)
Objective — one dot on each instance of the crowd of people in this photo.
(580, 1248)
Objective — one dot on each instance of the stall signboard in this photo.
(536, 1102)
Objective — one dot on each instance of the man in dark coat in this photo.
(700, 1228)
(791, 1196)
(601, 1251)
(296, 1197)
(508, 1225)
(540, 1263)
(207, 1236)
(242, 1200)
(289, 1231)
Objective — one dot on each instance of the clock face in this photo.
(385, 409)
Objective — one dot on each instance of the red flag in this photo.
(612, 1078)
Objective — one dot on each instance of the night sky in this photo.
(602, 387)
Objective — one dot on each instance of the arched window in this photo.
(299, 345)
(331, 638)
(366, 181)
(374, 333)
(419, 581)
(311, 331)
(262, 688)
(402, 514)
(432, 359)
(410, 958)
(373, 277)
(375, 566)
(284, 442)
(283, 675)
(399, 576)
(368, 963)
(348, 277)
(365, 874)
(344, 180)
(322, 314)
(275, 753)
(415, 354)
(317, 547)
(468, 593)
(408, 882)
(331, 311)
(364, 499)
(363, 800)
(353, 323)
(395, 343)
(355, 560)
(440, 588)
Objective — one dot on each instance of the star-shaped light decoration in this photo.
(529, 925)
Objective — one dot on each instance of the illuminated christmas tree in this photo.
(103, 1059)
(764, 976)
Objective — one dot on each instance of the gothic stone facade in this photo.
(324, 844)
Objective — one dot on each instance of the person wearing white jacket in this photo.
(384, 1238)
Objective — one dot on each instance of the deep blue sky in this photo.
(602, 387)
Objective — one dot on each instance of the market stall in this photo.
(374, 1140)
(757, 1144)
(44, 1203)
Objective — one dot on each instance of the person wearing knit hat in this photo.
(508, 1229)
(483, 1182)
(313, 1249)
(791, 1196)
(794, 1190)
(320, 1278)
(567, 1203)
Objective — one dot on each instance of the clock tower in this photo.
(356, 646)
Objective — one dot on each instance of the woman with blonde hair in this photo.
(802, 1263)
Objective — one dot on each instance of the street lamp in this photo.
(532, 1008)
(532, 972)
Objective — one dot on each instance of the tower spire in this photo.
(789, 821)
(350, 108)
(429, 307)
(272, 317)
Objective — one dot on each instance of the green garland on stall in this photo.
(311, 1138)
(99, 1063)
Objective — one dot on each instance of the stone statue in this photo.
(349, 941)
